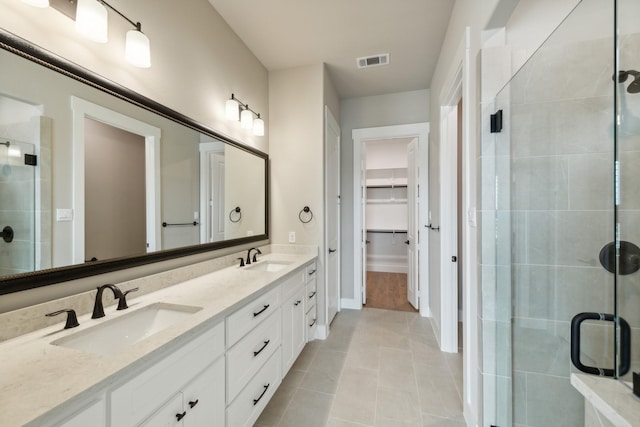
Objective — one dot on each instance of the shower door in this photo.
(627, 203)
(17, 208)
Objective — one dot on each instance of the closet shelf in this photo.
(387, 231)
(386, 201)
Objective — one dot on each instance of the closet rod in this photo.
(388, 231)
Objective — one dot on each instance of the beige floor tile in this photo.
(397, 405)
(363, 355)
(307, 408)
(433, 421)
(305, 358)
(356, 396)
(335, 422)
(396, 369)
(324, 371)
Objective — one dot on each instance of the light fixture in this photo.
(92, 18)
(258, 126)
(37, 3)
(237, 110)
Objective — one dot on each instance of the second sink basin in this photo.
(116, 334)
(270, 266)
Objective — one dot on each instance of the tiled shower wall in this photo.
(547, 210)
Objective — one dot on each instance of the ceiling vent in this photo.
(373, 61)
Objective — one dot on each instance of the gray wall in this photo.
(356, 113)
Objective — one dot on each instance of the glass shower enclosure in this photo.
(561, 220)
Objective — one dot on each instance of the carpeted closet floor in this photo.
(387, 291)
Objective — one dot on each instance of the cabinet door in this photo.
(204, 398)
(168, 416)
(94, 415)
(293, 329)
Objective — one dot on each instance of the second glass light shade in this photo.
(92, 20)
(246, 119)
(137, 49)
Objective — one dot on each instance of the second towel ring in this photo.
(238, 211)
(307, 211)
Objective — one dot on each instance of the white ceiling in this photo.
(290, 33)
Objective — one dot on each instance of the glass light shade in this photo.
(37, 3)
(92, 20)
(137, 50)
(232, 110)
(258, 127)
(14, 152)
(246, 119)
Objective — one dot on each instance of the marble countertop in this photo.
(610, 397)
(40, 380)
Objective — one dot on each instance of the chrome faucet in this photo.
(98, 308)
(255, 259)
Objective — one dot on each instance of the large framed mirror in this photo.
(96, 178)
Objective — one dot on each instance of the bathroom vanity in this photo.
(220, 344)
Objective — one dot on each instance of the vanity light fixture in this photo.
(91, 20)
(237, 110)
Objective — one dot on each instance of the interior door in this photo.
(216, 217)
(412, 238)
(332, 203)
(363, 223)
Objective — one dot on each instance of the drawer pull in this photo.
(179, 417)
(313, 323)
(266, 343)
(311, 272)
(261, 311)
(312, 294)
(297, 303)
(255, 401)
(193, 403)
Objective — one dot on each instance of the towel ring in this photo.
(305, 210)
(238, 211)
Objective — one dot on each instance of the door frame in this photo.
(82, 109)
(330, 121)
(205, 149)
(361, 137)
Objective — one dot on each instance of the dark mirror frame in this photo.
(40, 56)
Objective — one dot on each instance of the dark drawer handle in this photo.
(625, 344)
(193, 403)
(261, 311)
(312, 294)
(297, 303)
(255, 401)
(266, 343)
(311, 272)
(181, 416)
(313, 323)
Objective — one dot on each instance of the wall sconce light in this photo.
(237, 110)
(91, 17)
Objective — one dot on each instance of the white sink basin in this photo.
(113, 335)
(269, 266)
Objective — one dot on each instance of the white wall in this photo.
(296, 104)
(371, 111)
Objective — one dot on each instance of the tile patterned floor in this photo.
(378, 368)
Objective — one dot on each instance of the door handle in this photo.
(406, 242)
(332, 250)
(625, 344)
(454, 259)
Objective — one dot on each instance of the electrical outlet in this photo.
(292, 237)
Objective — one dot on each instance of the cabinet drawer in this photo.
(311, 271)
(311, 295)
(312, 323)
(249, 316)
(246, 357)
(139, 397)
(246, 408)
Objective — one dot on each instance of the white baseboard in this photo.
(350, 303)
(321, 332)
(387, 263)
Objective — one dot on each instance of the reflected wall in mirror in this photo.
(69, 207)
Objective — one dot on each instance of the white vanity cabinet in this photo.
(310, 301)
(293, 319)
(186, 388)
(94, 414)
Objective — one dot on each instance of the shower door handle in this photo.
(625, 344)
